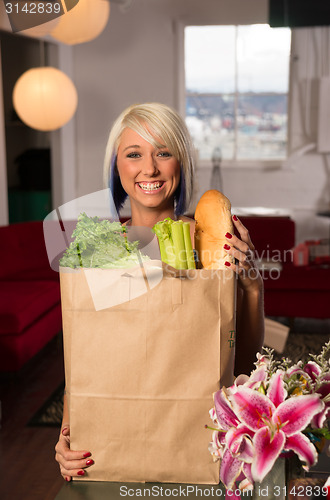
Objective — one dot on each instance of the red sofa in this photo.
(295, 291)
(30, 310)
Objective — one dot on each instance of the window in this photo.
(236, 84)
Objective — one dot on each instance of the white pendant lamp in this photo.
(45, 98)
(83, 23)
(42, 29)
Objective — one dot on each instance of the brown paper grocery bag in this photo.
(140, 375)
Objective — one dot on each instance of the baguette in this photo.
(213, 221)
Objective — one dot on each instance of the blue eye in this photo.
(133, 155)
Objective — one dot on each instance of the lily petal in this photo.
(230, 469)
(295, 413)
(324, 388)
(225, 415)
(246, 451)
(300, 444)
(257, 376)
(267, 450)
(213, 416)
(235, 435)
(319, 419)
(313, 369)
(252, 407)
(241, 379)
(262, 359)
(292, 370)
(245, 485)
(247, 472)
(218, 438)
(276, 390)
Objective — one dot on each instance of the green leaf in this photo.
(100, 243)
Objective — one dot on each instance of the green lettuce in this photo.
(101, 243)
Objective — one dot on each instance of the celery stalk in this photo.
(179, 246)
(170, 251)
(158, 230)
(175, 243)
(188, 245)
(163, 233)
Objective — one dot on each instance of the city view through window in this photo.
(237, 80)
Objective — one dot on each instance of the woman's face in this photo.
(149, 175)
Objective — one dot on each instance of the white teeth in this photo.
(150, 186)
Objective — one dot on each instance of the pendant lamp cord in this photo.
(42, 53)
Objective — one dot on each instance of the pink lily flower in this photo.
(312, 369)
(257, 377)
(324, 391)
(312, 374)
(225, 415)
(277, 423)
(240, 449)
(323, 388)
(217, 445)
(234, 468)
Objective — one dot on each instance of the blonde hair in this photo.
(150, 120)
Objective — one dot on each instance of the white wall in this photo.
(136, 59)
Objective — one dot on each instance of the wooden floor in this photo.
(28, 470)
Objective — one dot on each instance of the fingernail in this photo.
(67, 479)
(227, 263)
(81, 472)
(228, 235)
(65, 428)
(235, 218)
(226, 247)
(86, 455)
(89, 462)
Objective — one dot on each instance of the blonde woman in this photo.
(150, 159)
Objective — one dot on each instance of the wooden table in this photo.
(93, 490)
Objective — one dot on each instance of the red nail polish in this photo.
(81, 473)
(226, 247)
(86, 455)
(228, 235)
(235, 218)
(89, 462)
(67, 479)
(65, 428)
(227, 263)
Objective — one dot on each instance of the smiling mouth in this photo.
(150, 186)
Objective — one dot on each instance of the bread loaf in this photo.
(213, 221)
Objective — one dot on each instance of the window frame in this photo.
(260, 164)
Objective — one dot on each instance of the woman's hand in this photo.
(243, 252)
(72, 463)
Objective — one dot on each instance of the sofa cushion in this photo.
(299, 278)
(271, 236)
(35, 274)
(23, 251)
(22, 303)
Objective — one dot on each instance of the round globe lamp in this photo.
(42, 30)
(83, 23)
(45, 98)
